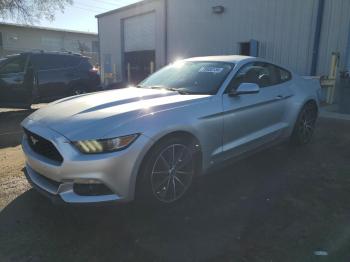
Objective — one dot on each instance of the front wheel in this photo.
(168, 172)
(305, 125)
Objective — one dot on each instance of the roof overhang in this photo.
(121, 9)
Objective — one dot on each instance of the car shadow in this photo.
(214, 217)
(260, 209)
(10, 126)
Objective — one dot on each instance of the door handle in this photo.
(279, 97)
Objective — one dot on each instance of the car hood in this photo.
(93, 115)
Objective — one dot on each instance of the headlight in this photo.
(105, 145)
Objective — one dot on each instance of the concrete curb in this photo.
(327, 114)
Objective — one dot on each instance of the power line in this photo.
(111, 2)
(105, 2)
(87, 9)
(94, 9)
(92, 6)
(115, 3)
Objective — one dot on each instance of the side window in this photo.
(257, 73)
(44, 61)
(85, 65)
(242, 76)
(14, 65)
(262, 74)
(60, 61)
(71, 61)
(53, 61)
(284, 75)
(273, 75)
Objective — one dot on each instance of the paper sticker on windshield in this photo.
(211, 69)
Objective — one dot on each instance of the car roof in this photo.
(49, 53)
(225, 58)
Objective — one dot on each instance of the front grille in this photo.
(43, 147)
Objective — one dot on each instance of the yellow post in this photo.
(151, 67)
(114, 72)
(333, 76)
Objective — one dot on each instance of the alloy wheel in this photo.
(307, 123)
(172, 173)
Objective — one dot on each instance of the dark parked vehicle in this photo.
(45, 76)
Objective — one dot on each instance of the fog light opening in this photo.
(94, 188)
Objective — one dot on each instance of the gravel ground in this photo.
(12, 183)
(282, 204)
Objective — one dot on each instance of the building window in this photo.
(250, 48)
(244, 48)
(51, 43)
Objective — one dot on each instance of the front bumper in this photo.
(117, 171)
(61, 193)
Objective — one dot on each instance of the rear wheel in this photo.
(168, 172)
(305, 125)
(77, 91)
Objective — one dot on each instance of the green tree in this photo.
(29, 11)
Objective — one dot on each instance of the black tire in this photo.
(156, 187)
(305, 125)
(27, 104)
(77, 90)
(31, 97)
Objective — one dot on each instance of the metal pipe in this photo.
(151, 66)
(128, 68)
(317, 37)
(347, 54)
(99, 52)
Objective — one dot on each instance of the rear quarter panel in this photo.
(303, 90)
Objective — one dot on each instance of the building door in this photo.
(138, 65)
(139, 47)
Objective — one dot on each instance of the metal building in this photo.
(299, 34)
(15, 38)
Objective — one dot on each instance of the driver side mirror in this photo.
(244, 89)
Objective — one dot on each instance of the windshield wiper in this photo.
(181, 91)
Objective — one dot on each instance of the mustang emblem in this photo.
(34, 140)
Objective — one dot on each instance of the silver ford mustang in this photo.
(148, 142)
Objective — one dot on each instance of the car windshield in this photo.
(190, 77)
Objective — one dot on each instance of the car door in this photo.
(53, 75)
(252, 120)
(14, 86)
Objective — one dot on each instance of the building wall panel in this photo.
(284, 29)
(19, 39)
(111, 34)
(334, 34)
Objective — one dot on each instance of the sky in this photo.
(81, 15)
